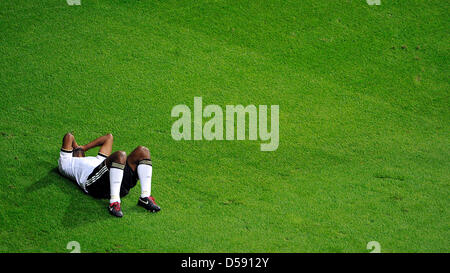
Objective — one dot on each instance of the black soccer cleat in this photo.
(114, 209)
(149, 204)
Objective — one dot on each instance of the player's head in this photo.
(78, 152)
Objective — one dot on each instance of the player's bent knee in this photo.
(122, 156)
(141, 148)
(144, 151)
(119, 157)
(110, 136)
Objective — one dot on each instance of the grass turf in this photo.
(364, 123)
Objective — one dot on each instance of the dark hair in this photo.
(78, 152)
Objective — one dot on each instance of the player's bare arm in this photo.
(69, 142)
(105, 142)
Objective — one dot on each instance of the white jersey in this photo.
(78, 168)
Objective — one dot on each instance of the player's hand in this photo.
(80, 147)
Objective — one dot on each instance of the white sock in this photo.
(145, 176)
(115, 180)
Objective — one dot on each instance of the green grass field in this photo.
(364, 146)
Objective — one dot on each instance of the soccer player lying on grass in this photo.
(108, 175)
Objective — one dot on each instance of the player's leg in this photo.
(116, 164)
(140, 161)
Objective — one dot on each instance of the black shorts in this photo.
(97, 184)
